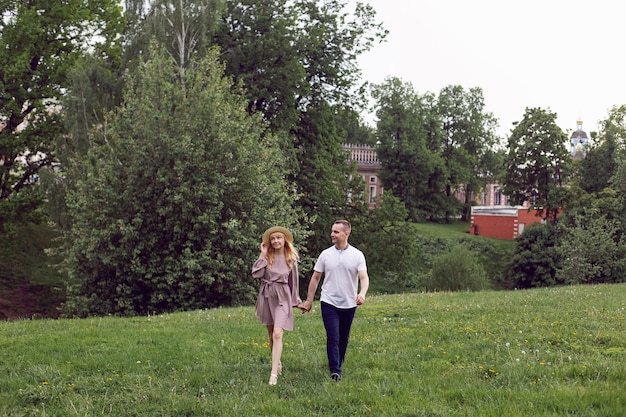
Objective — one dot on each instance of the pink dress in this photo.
(278, 293)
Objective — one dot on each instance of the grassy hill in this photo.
(544, 352)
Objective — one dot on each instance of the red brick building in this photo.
(502, 222)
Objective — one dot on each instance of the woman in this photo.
(277, 266)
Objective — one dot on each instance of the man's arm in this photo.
(315, 279)
(365, 284)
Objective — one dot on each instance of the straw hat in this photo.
(284, 231)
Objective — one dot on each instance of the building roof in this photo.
(579, 134)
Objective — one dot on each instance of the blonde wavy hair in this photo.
(291, 254)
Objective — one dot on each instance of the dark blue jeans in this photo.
(337, 322)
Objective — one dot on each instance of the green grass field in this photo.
(543, 352)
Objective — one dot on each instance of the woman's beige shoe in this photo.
(273, 379)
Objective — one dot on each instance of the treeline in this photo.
(168, 135)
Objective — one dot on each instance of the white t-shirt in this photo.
(340, 268)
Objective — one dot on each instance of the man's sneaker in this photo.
(335, 376)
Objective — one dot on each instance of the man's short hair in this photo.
(346, 225)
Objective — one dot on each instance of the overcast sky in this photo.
(566, 56)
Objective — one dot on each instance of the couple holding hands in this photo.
(343, 267)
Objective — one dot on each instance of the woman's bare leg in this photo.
(276, 344)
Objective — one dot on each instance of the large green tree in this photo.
(467, 141)
(297, 62)
(412, 167)
(40, 40)
(329, 188)
(291, 54)
(538, 163)
(597, 191)
(177, 188)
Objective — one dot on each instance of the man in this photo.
(343, 267)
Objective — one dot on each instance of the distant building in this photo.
(502, 222)
(368, 166)
(578, 140)
(492, 216)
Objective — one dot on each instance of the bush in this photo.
(593, 252)
(491, 254)
(390, 246)
(457, 270)
(536, 258)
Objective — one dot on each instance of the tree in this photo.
(40, 41)
(467, 139)
(396, 266)
(257, 40)
(411, 171)
(602, 156)
(355, 130)
(290, 54)
(593, 252)
(296, 60)
(536, 259)
(598, 166)
(177, 188)
(328, 186)
(184, 27)
(538, 163)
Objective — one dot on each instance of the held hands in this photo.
(306, 306)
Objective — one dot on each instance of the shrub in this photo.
(457, 270)
(593, 252)
(536, 258)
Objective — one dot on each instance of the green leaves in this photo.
(40, 42)
(538, 163)
(169, 203)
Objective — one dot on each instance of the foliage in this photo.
(23, 208)
(356, 131)
(592, 252)
(598, 165)
(40, 41)
(431, 147)
(184, 27)
(537, 164)
(614, 126)
(467, 138)
(30, 284)
(329, 188)
(390, 247)
(596, 198)
(541, 353)
(257, 40)
(94, 88)
(289, 54)
(536, 260)
(411, 171)
(435, 240)
(297, 63)
(178, 185)
(456, 270)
